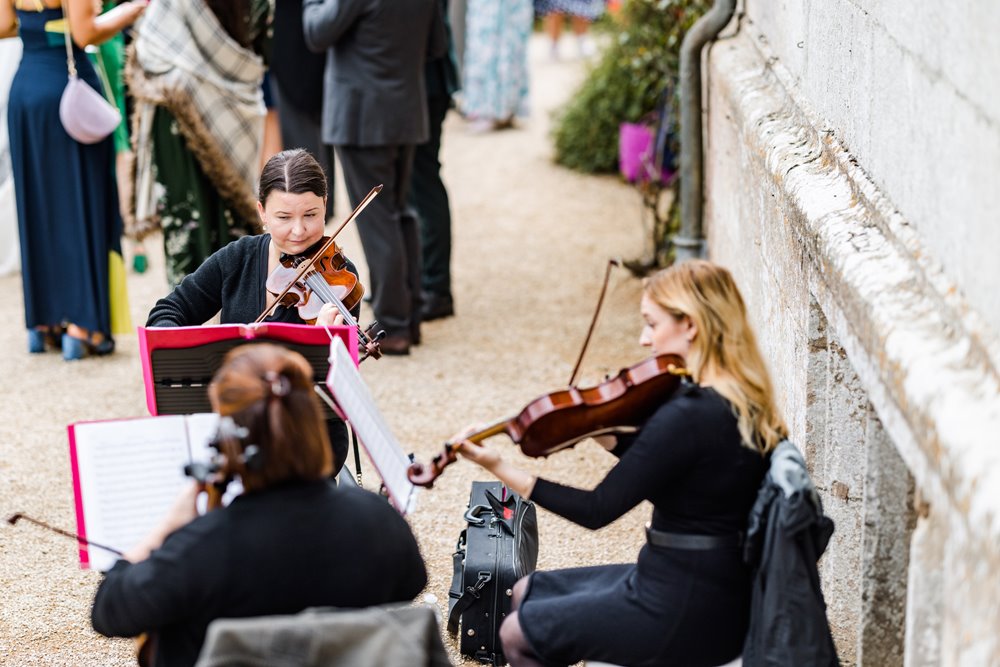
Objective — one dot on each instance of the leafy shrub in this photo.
(628, 82)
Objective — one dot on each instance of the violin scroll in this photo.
(424, 474)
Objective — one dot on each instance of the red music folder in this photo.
(178, 362)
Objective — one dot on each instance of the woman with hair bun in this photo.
(291, 540)
(291, 204)
(699, 459)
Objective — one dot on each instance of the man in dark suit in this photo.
(375, 113)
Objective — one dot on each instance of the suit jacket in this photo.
(374, 92)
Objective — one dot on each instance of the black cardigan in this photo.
(231, 280)
(276, 551)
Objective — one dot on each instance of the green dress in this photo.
(196, 221)
(109, 61)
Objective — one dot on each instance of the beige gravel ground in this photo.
(531, 243)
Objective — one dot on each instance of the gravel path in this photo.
(531, 243)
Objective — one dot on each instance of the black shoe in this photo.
(436, 307)
(395, 344)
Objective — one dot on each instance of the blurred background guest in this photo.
(296, 78)
(70, 243)
(196, 74)
(495, 70)
(428, 194)
(375, 114)
(10, 261)
(581, 12)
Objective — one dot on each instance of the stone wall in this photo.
(880, 344)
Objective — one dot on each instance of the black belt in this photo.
(659, 538)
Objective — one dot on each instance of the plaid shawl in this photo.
(184, 60)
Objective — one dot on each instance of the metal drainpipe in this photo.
(689, 243)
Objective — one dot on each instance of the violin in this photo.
(563, 418)
(330, 281)
(320, 276)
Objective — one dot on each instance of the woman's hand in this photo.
(520, 481)
(484, 456)
(182, 512)
(329, 316)
(135, 10)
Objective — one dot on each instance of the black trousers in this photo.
(389, 233)
(429, 198)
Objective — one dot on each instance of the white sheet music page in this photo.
(129, 473)
(381, 446)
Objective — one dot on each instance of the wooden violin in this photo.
(329, 281)
(563, 418)
(320, 276)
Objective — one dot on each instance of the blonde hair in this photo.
(268, 390)
(724, 348)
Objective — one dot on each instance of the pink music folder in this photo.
(297, 336)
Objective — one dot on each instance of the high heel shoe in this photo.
(43, 339)
(76, 348)
(36, 341)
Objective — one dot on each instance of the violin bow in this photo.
(600, 301)
(14, 518)
(305, 266)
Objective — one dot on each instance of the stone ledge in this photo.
(926, 358)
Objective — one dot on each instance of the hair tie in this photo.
(278, 384)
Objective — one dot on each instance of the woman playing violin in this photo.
(699, 459)
(291, 202)
(292, 540)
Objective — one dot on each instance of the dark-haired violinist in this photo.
(291, 540)
(232, 282)
(699, 459)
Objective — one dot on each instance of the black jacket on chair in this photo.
(786, 535)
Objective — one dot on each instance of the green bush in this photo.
(627, 83)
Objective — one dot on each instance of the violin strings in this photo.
(326, 294)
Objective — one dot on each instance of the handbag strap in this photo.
(70, 62)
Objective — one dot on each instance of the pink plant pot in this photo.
(634, 142)
(635, 154)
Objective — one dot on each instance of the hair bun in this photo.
(278, 384)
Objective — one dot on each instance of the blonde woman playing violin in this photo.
(699, 459)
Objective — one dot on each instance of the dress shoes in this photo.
(436, 307)
(395, 344)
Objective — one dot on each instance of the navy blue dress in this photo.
(671, 607)
(67, 200)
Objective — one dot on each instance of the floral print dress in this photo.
(496, 59)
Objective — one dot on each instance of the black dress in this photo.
(673, 607)
(276, 551)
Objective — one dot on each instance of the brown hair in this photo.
(268, 390)
(295, 171)
(724, 350)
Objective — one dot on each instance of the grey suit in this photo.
(374, 113)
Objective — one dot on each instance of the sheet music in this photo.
(130, 472)
(381, 446)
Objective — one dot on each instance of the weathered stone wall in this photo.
(912, 90)
(885, 366)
